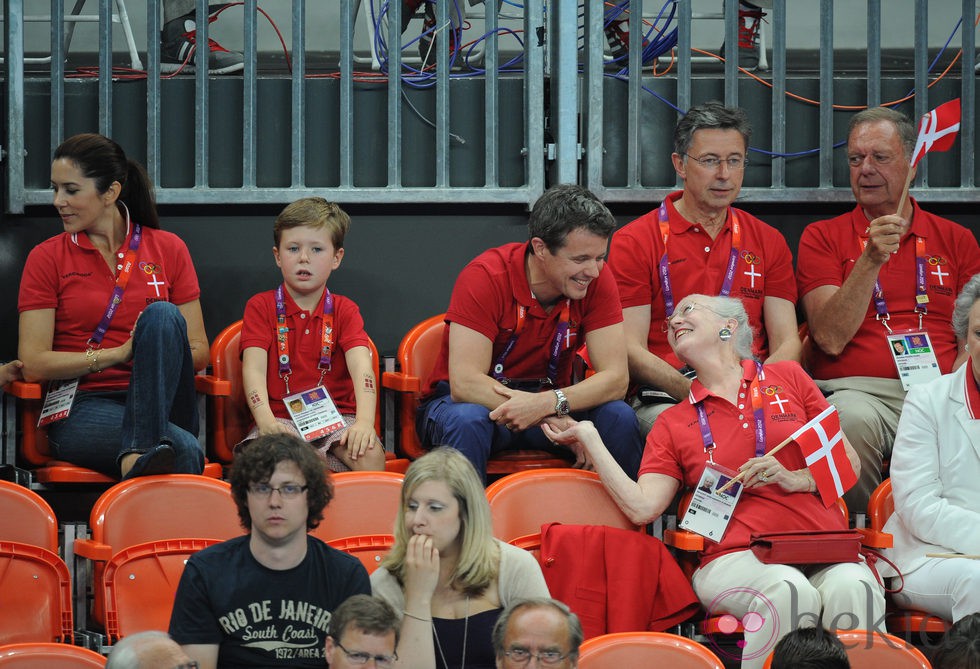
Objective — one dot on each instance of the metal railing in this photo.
(606, 123)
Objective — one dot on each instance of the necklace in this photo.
(466, 629)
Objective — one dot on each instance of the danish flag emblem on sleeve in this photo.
(937, 130)
(822, 443)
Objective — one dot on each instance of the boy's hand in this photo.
(358, 438)
(273, 427)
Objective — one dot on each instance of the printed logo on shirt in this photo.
(80, 275)
(286, 629)
(753, 275)
(939, 275)
(153, 273)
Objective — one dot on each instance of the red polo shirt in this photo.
(486, 298)
(674, 447)
(827, 252)
(305, 339)
(697, 264)
(67, 274)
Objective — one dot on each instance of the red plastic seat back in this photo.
(26, 518)
(364, 503)
(49, 655)
(645, 649)
(35, 604)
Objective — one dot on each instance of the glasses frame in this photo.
(536, 656)
(282, 493)
(387, 660)
(713, 162)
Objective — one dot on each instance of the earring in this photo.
(724, 334)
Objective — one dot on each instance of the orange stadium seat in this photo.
(645, 649)
(143, 530)
(520, 503)
(49, 655)
(417, 355)
(900, 621)
(229, 418)
(36, 453)
(877, 650)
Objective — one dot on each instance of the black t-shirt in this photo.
(263, 617)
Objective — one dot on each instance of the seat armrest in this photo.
(401, 382)
(212, 385)
(24, 390)
(875, 538)
(93, 550)
(684, 540)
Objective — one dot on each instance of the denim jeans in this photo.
(468, 428)
(159, 404)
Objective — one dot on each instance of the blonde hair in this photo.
(479, 556)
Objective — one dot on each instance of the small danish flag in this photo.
(937, 130)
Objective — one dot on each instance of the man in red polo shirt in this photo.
(696, 242)
(516, 318)
(873, 277)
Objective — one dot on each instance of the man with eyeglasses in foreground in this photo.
(696, 242)
(266, 599)
(873, 277)
(148, 650)
(543, 629)
(363, 629)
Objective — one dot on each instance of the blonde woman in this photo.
(446, 573)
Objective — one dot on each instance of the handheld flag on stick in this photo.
(822, 443)
(937, 131)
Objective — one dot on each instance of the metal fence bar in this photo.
(592, 103)
(535, 159)
(967, 100)
(921, 59)
(13, 59)
(778, 163)
(346, 120)
(153, 97)
(564, 87)
(298, 84)
(202, 128)
(250, 95)
(826, 122)
(491, 115)
(731, 53)
(105, 67)
(634, 152)
(57, 72)
(874, 53)
(394, 94)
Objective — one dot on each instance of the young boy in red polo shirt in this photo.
(306, 364)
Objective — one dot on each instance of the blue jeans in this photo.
(468, 428)
(159, 404)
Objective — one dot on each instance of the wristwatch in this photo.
(561, 406)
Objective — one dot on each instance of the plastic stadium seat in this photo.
(369, 549)
(364, 503)
(645, 649)
(229, 418)
(49, 656)
(34, 449)
(522, 502)
(143, 514)
(26, 518)
(32, 575)
(901, 621)
(877, 650)
(417, 355)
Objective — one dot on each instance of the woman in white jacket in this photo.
(935, 473)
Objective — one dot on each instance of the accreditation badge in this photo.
(314, 413)
(711, 508)
(914, 357)
(57, 403)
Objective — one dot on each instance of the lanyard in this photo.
(282, 336)
(726, 286)
(122, 279)
(561, 333)
(921, 295)
(758, 416)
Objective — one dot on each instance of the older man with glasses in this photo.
(363, 629)
(696, 242)
(266, 599)
(149, 650)
(541, 629)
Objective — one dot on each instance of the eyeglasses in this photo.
(188, 665)
(287, 491)
(713, 162)
(685, 311)
(358, 657)
(856, 160)
(522, 656)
